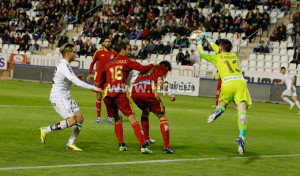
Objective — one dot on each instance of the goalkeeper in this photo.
(234, 86)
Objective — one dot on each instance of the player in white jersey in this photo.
(61, 100)
(289, 81)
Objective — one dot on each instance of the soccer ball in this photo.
(194, 35)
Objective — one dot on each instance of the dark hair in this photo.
(283, 68)
(106, 38)
(167, 64)
(120, 46)
(226, 44)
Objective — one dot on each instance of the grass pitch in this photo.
(24, 107)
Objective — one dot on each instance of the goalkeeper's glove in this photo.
(200, 39)
(208, 38)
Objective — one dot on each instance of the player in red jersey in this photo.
(113, 80)
(102, 57)
(145, 96)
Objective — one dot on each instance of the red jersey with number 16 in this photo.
(115, 74)
(102, 57)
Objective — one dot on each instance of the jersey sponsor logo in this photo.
(102, 55)
(111, 57)
(70, 69)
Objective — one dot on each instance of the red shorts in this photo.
(149, 101)
(114, 103)
(219, 85)
(97, 79)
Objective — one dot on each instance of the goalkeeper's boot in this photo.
(214, 115)
(122, 147)
(109, 121)
(150, 141)
(99, 120)
(167, 150)
(73, 147)
(146, 151)
(43, 135)
(241, 142)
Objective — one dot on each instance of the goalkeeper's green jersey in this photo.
(226, 63)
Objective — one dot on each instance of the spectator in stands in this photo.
(151, 47)
(265, 22)
(262, 48)
(35, 46)
(179, 57)
(281, 34)
(26, 37)
(218, 41)
(21, 26)
(145, 33)
(22, 46)
(159, 49)
(250, 33)
(12, 38)
(286, 6)
(17, 39)
(297, 41)
(135, 51)
(194, 57)
(167, 48)
(143, 53)
(177, 41)
(84, 49)
(64, 39)
(274, 35)
(296, 57)
(93, 49)
(187, 59)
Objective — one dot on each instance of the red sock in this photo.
(217, 99)
(119, 131)
(164, 129)
(138, 132)
(98, 106)
(145, 126)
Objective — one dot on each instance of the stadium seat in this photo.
(160, 57)
(244, 43)
(275, 44)
(283, 52)
(45, 43)
(235, 49)
(284, 59)
(244, 63)
(290, 52)
(28, 53)
(202, 74)
(145, 62)
(223, 35)
(215, 35)
(138, 43)
(11, 47)
(252, 56)
(153, 57)
(152, 62)
(276, 58)
(276, 65)
(275, 51)
(132, 42)
(175, 51)
(93, 40)
(5, 47)
(168, 58)
(173, 58)
(268, 57)
(292, 66)
(236, 42)
(57, 50)
(274, 21)
(70, 27)
(49, 54)
(260, 66)
(203, 66)
(211, 67)
(283, 45)
(98, 40)
(40, 42)
(21, 52)
(268, 64)
(260, 57)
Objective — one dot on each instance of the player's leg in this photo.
(64, 109)
(98, 107)
(295, 100)
(242, 123)
(284, 97)
(145, 123)
(75, 131)
(165, 132)
(119, 131)
(219, 111)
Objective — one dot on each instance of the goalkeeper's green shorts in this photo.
(235, 90)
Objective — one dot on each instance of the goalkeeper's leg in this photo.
(242, 106)
(219, 110)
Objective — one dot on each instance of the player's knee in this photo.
(145, 112)
(282, 96)
(71, 121)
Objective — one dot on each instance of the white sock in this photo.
(298, 104)
(286, 99)
(75, 131)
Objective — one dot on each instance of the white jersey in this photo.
(287, 79)
(63, 79)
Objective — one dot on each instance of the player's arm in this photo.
(293, 82)
(214, 46)
(164, 88)
(137, 66)
(69, 74)
(278, 83)
(92, 67)
(209, 58)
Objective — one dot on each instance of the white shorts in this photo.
(65, 107)
(289, 93)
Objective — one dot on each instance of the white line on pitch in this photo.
(145, 162)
